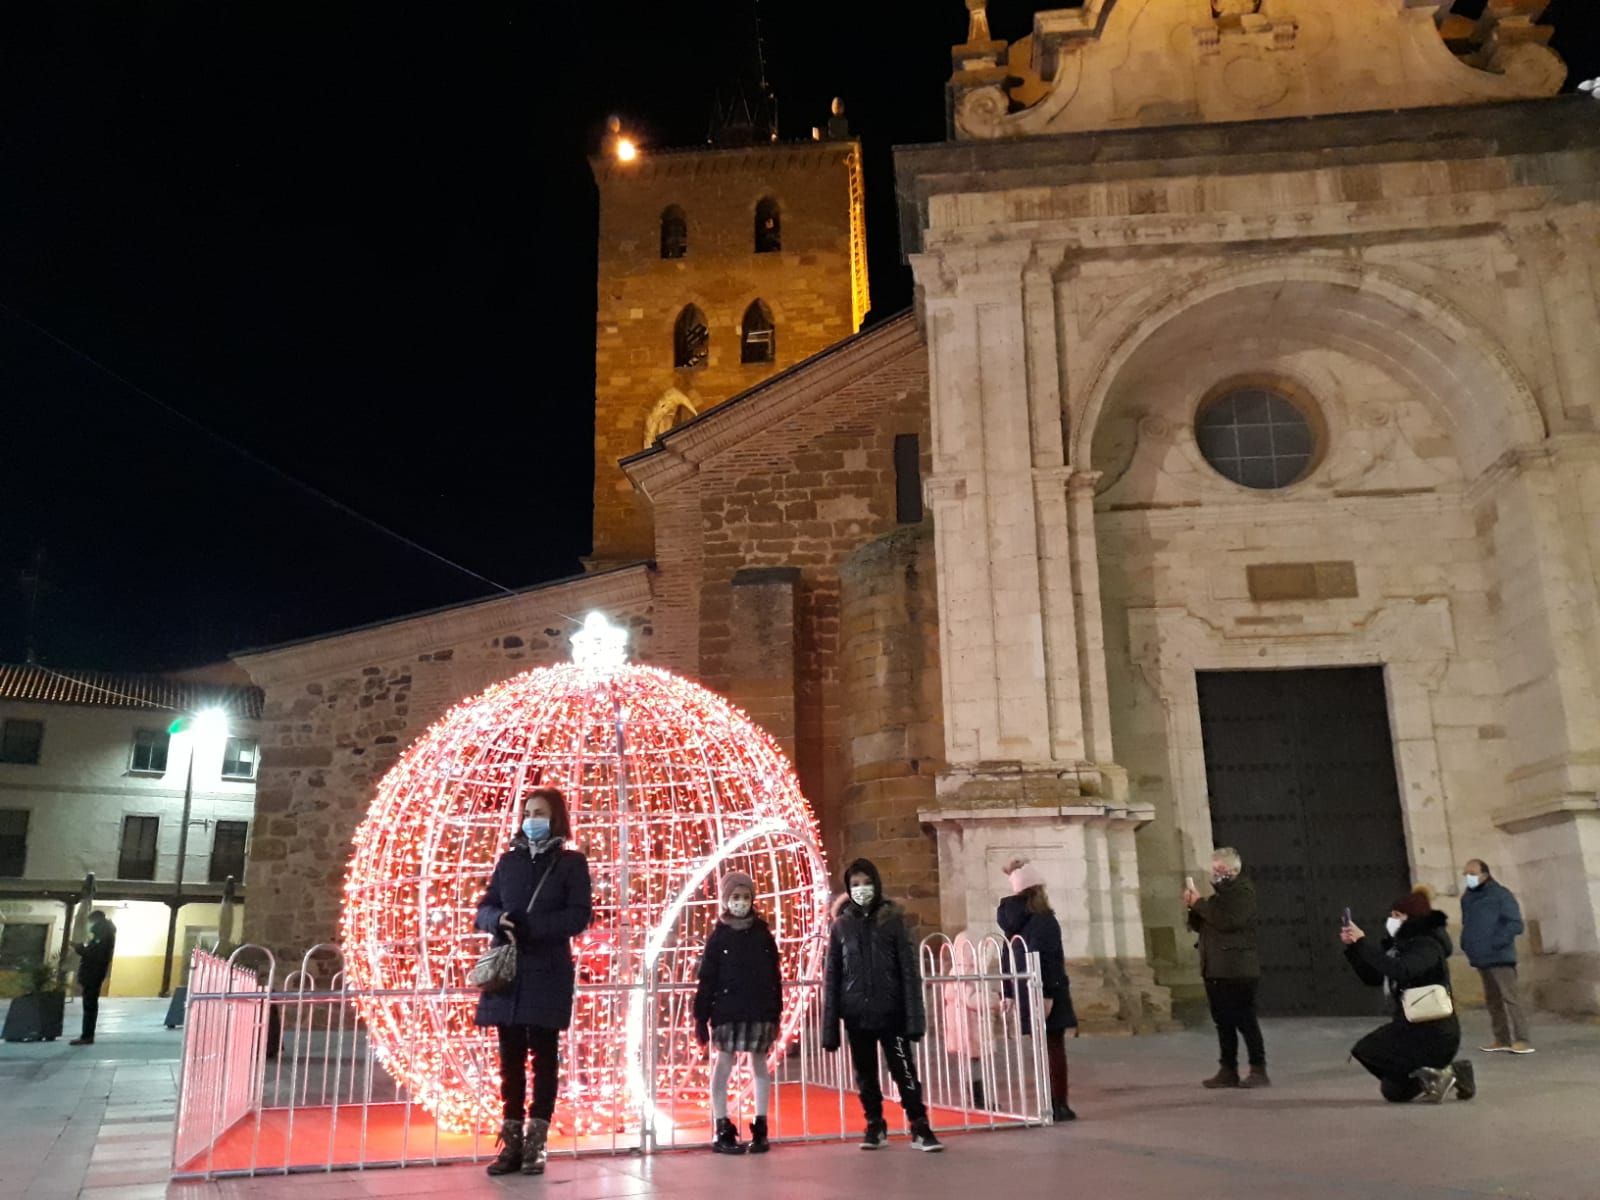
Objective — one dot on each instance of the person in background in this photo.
(1026, 915)
(737, 1006)
(540, 896)
(1410, 1059)
(968, 1008)
(1230, 964)
(872, 985)
(94, 966)
(1490, 923)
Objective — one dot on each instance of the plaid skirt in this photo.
(755, 1036)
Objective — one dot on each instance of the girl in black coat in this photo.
(1410, 1059)
(1026, 915)
(737, 1005)
(540, 896)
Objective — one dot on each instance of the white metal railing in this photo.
(281, 1076)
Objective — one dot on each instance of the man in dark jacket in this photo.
(1231, 967)
(1490, 923)
(873, 985)
(94, 966)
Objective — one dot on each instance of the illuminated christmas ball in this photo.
(669, 787)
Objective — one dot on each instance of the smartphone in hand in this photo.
(1346, 921)
(1188, 883)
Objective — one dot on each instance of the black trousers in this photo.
(517, 1042)
(91, 1009)
(1233, 1010)
(898, 1056)
(1393, 1051)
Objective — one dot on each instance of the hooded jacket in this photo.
(871, 981)
(1490, 922)
(543, 991)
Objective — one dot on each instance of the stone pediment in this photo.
(1121, 64)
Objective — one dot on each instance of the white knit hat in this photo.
(1025, 877)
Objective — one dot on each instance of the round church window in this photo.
(1257, 436)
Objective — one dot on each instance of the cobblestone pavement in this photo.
(87, 1124)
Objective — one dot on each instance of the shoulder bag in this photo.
(496, 968)
(1424, 1004)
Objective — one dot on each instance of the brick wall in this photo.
(807, 286)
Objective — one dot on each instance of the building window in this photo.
(239, 759)
(691, 340)
(769, 231)
(227, 850)
(23, 945)
(907, 478)
(138, 857)
(13, 842)
(20, 741)
(150, 752)
(757, 341)
(1257, 436)
(674, 233)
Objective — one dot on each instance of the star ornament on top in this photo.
(599, 645)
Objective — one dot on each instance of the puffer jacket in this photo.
(1417, 956)
(1226, 922)
(1040, 934)
(1490, 922)
(543, 992)
(740, 976)
(872, 980)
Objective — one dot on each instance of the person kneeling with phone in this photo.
(1414, 1054)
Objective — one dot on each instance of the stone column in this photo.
(1029, 769)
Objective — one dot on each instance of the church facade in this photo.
(1235, 480)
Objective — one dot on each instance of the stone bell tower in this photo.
(718, 267)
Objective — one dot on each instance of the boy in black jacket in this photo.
(737, 1005)
(873, 985)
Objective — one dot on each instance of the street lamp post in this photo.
(209, 721)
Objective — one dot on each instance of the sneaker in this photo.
(922, 1138)
(1226, 1077)
(876, 1137)
(1495, 1048)
(1521, 1048)
(1436, 1083)
(1256, 1079)
(1466, 1081)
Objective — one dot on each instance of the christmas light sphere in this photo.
(669, 787)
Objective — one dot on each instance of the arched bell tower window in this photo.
(691, 340)
(758, 342)
(769, 231)
(674, 232)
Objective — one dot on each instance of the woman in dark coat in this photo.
(539, 895)
(1026, 915)
(737, 1006)
(1410, 1059)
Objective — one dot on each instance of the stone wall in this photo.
(809, 286)
(339, 710)
(890, 661)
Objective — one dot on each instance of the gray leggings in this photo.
(719, 1083)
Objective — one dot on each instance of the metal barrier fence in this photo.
(281, 1076)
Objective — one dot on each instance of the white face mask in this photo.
(739, 908)
(1473, 881)
(862, 894)
(1393, 925)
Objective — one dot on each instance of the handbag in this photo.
(496, 968)
(1423, 1004)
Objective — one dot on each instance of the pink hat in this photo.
(1025, 877)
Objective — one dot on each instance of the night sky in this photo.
(354, 243)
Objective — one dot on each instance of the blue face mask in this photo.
(536, 829)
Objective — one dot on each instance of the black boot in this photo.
(1466, 1081)
(977, 1095)
(758, 1136)
(510, 1156)
(533, 1146)
(1062, 1112)
(727, 1138)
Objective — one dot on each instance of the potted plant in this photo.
(35, 1016)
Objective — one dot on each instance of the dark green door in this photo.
(1300, 769)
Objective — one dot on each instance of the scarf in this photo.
(739, 923)
(550, 843)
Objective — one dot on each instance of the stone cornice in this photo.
(625, 587)
(677, 455)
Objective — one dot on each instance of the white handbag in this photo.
(1424, 1004)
